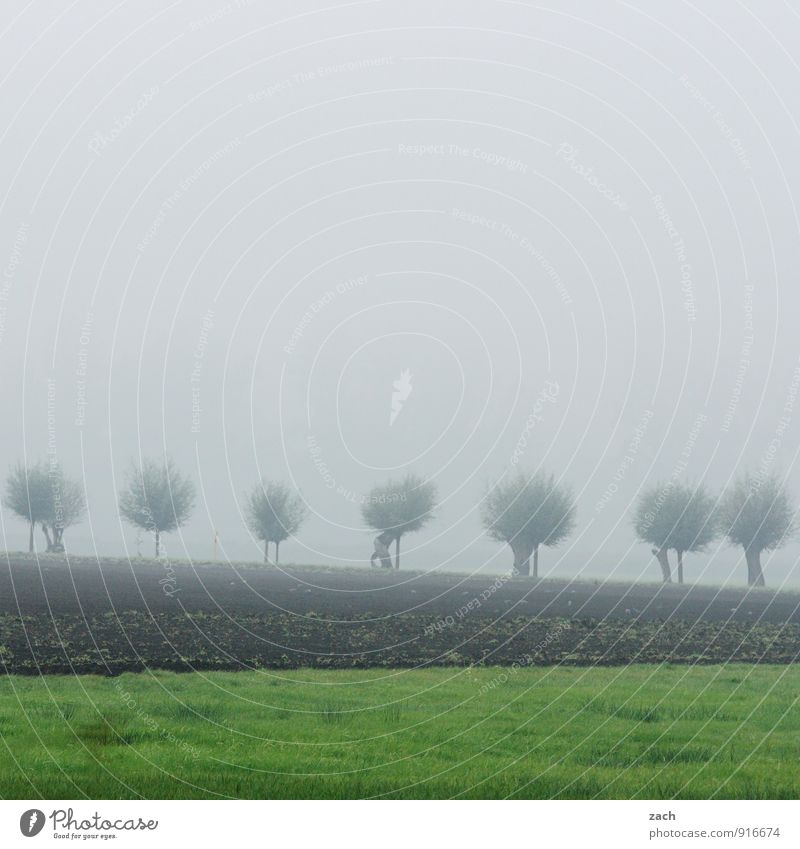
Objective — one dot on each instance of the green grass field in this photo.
(633, 732)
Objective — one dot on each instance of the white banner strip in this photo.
(404, 825)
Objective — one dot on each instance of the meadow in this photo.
(640, 731)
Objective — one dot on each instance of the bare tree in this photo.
(274, 513)
(398, 508)
(678, 516)
(156, 498)
(757, 514)
(527, 513)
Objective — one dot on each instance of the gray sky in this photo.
(228, 228)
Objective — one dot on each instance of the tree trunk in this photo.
(680, 566)
(663, 562)
(536, 561)
(46, 533)
(158, 544)
(397, 553)
(522, 559)
(382, 553)
(755, 577)
(30, 538)
(266, 551)
(277, 546)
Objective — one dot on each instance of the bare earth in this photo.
(88, 587)
(116, 617)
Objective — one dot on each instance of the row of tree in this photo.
(524, 512)
(755, 513)
(156, 497)
(527, 513)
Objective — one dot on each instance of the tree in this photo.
(67, 507)
(398, 508)
(653, 524)
(274, 513)
(757, 514)
(696, 525)
(28, 495)
(527, 513)
(675, 516)
(156, 498)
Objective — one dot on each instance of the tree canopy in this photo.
(399, 507)
(157, 498)
(527, 512)
(274, 513)
(674, 515)
(67, 507)
(756, 513)
(42, 494)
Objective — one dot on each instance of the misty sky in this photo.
(229, 228)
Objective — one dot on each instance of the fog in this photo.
(229, 228)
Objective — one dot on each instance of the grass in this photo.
(636, 732)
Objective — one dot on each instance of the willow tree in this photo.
(43, 495)
(67, 507)
(527, 513)
(274, 513)
(675, 516)
(757, 514)
(156, 498)
(397, 508)
(28, 494)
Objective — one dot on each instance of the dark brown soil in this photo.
(53, 586)
(83, 617)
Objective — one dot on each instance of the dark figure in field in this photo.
(54, 545)
(663, 561)
(382, 543)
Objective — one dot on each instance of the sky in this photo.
(230, 230)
